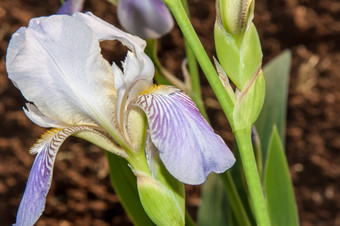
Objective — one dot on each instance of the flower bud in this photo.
(149, 19)
(158, 201)
(238, 62)
(235, 15)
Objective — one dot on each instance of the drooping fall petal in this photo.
(39, 181)
(187, 145)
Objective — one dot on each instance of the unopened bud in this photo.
(235, 15)
(158, 201)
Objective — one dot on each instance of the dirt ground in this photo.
(81, 193)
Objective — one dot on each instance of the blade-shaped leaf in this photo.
(214, 207)
(125, 185)
(278, 186)
(276, 75)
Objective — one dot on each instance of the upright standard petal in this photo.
(188, 146)
(138, 69)
(147, 19)
(39, 181)
(57, 65)
(105, 31)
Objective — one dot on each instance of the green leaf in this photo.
(214, 207)
(278, 186)
(276, 74)
(125, 185)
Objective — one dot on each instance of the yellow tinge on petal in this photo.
(43, 139)
(158, 89)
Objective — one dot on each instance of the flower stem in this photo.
(190, 35)
(188, 220)
(243, 139)
(196, 93)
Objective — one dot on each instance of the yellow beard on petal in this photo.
(42, 140)
(158, 89)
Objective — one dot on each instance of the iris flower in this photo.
(57, 65)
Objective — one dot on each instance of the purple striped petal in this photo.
(188, 146)
(39, 181)
(147, 18)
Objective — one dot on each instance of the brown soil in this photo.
(81, 193)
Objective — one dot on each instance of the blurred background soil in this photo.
(81, 193)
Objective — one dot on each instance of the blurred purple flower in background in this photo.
(149, 19)
(71, 6)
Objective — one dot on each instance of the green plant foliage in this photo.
(214, 207)
(249, 103)
(239, 62)
(125, 185)
(278, 186)
(276, 74)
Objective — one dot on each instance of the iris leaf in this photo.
(276, 74)
(125, 185)
(278, 185)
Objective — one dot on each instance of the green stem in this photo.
(235, 200)
(190, 35)
(188, 220)
(243, 136)
(243, 139)
(257, 150)
(151, 51)
(196, 93)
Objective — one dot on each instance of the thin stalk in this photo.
(243, 139)
(190, 35)
(235, 200)
(196, 93)
(188, 220)
(243, 136)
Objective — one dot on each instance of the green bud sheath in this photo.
(239, 62)
(249, 102)
(158, 201)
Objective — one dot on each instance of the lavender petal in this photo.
(188, 146)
